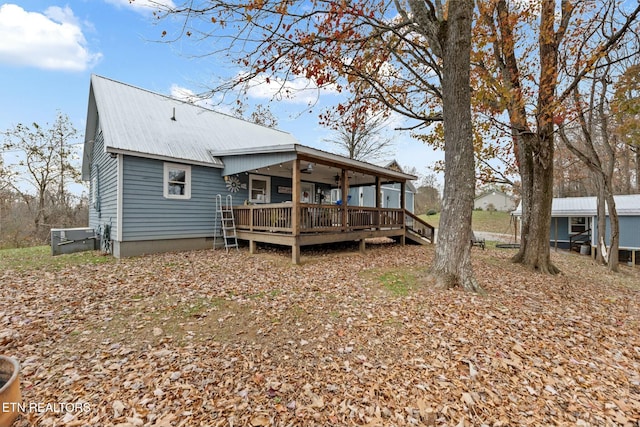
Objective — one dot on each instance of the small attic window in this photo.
(177, 181)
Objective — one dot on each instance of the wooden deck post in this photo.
(295, 253)
(362, 246)
(252, 246)
(345, 196)
(378, 202)
(295, 211)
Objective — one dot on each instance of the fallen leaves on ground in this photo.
(210, 338)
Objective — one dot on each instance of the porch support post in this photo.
(556, 235)
(362, 246)
(295, 252)
(345, 195)
(295, 211)
(252, 246)
(403, 205)
(633, 258)
(378, 202)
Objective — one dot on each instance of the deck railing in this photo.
(418, 225)
(584, 237)
(276, 218)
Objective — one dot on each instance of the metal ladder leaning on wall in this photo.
(224, 217)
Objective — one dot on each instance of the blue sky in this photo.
(49, 49)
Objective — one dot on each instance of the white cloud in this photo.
(143, 6)
(51, 40)
(187, 95)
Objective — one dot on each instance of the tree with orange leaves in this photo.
(410, 56)
(531, 56)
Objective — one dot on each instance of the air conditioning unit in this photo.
(70, 240)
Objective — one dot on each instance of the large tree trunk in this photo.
(535, 249)
(537, 172)
(452, 264)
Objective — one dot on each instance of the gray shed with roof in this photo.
(575, 220)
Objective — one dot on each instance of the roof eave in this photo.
(313, 154)
(217, 163)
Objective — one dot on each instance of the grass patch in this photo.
(398, 282)
(491, 222)
(40, 258)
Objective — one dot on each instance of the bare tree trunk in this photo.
(626, 169)
(637, 151)
(614, 238)
(525, 164)
(601, 243)
(535, 250)
(452, 263)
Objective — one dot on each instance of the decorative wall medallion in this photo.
(233, 184)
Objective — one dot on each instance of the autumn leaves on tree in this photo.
(415, 58)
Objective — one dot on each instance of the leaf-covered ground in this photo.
(213, 339)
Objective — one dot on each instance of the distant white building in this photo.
(496, 200)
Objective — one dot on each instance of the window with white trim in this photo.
(177, 181)
(578, 224)
(259, 189)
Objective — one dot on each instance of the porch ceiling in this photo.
(317, 173)
(325, 167)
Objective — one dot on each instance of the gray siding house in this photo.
(155, 165)
(496, 200)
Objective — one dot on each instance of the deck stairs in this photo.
(226, 220)
(417, 230)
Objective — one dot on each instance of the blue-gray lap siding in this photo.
(629, 231)
(559, 229)
(104, 172)
(148, 215)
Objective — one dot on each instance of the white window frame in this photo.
(266, 197)
(585, 225)
(187, 181)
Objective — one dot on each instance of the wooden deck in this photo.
(313, 224)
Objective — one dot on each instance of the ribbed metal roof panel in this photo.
(139, 121)
(587, 206)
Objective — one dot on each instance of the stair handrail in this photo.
(431, 228)
(573, 238)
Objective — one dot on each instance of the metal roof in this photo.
(626, 205)
(138, 122)
(135, 120)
